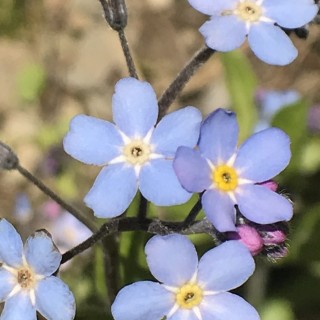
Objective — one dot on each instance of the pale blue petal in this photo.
(7, 283)
(54, 300)
(264, 155)
(184, 314)
(42, 254)
(227, 306)
(219, 210)
(143, 300)
(215, 7)
(219, 136)
(113, 191)
(160, 185)
(290, 13)
(19, 307)
(271, 44)
(10, 245)
(179, 128)
(172, 259)
(192, 170)
(224, 33)
(263, 206)
(225, 267)
(135, 107)
(92, 140)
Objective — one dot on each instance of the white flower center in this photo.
(247, 10)
(137, 152)
(26, 278)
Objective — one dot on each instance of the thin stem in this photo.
(193, 213)
(127, 54)
(134, 224)
(182, 78)
(46, 190)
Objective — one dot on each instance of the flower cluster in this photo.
(27, 283)
(188, 289)
(259, 20)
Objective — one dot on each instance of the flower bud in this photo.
(8, 159)
(115, 12)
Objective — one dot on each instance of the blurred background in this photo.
(59, 58)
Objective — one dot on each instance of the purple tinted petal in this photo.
(213, 7)
(185, 314)
(261, 205)
(219, 210)
(179, 128)
(219, 136)
(290, 13)
(224, 33)
(19, 307)
(42, 254)
(160, 185)
(264, 155)
(142, 300)
(92, 140)
(54, 300)
(172, 259)
(192, 170)
(7, 283)
(229, 306)
(10, 245)
(135, 107)
(113, 191)
(225, 267)
(271, 44)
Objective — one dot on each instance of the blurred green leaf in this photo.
(310, 161)
(30, 82)
(241, 82)
(277, 309)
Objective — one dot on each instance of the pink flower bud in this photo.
(270, 184)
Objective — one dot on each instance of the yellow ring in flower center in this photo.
(137, 152)
(225, 178)
(249, 11)
(189, 296)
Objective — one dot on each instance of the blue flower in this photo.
(259, 20)
(134, 154)
(26, 281)
(188, 289)
(229, 176)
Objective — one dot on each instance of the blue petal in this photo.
(225, 267)
(215, 7)
(179, 128)
(264, 155)
(142, 300)
(172, 259)
(10, 245)
(92, 140)
(261, 205)
(42, 254)
(219, 136)
(19, 307)
(135, 107)
(185, 314)
(113, 191)
(224, 33)
(7, 283)
(54, 300)
(192, 170)
(160, 185)
(271, 44)
(219, 210)
(290, 13)
(229, 306)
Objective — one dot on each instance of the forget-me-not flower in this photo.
(133, 152)
(26, 281)
(229, 176)
(259, 20)
(188, 289)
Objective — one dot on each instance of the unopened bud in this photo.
(115, 12)
(272, 234)
(8, 159)
(270, 184)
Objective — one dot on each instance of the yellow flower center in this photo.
(225, 178)
(26, 278)
(137, 152)
(189, 296)
(249, 11)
